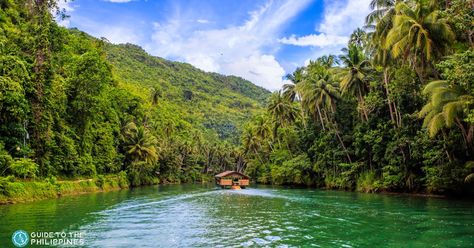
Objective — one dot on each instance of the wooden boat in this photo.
(232, 180)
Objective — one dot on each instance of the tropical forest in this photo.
(390, 113)
(394, 112)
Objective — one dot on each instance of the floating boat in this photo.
(232, 180)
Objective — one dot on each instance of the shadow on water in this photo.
(203, 216)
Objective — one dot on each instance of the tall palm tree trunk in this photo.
(361, 101)
(392, 105)
(320, 116)
(385, 80)
(343, 146)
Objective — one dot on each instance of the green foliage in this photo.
(74, 106)
(360, 125)
(24, 168)
(367, 182)
(460, 16)
(82, 107)
(5, 161)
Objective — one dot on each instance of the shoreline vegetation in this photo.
(15, 191)
(394, 112)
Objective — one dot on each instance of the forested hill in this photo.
(204, 100)
(76, 106)
(132, 58)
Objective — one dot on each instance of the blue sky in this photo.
(259, 40)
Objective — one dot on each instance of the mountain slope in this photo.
(210, 100)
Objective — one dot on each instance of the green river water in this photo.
(203, 216)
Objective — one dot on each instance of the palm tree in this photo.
(261, 128)
(358, 38)
(289, 90)
(155, 95)
(282, 111)
(140, 144)
(382, 11)
(445, 108)
(355, 80)
(319, 95)
(252, 143)
(327, 61)
(380, 22)
(418, 31)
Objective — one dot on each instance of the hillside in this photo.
(203, 100)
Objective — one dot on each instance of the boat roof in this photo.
(228, 173)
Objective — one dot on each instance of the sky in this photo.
(259, 40)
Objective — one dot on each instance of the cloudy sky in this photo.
(259, 40)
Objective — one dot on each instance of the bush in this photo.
(52, 180)
(24, 168)
(5, 162)
(392, 177)
(291, 171)
(100, 182)
(122, 180)
(367, 182)
(4, 183)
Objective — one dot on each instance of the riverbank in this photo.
(13, 190)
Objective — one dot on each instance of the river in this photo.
(203, 216)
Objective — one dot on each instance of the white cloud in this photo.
(259, 68)
(246, 50)
(339, 20)
(202, 21)
(116, 33)
(318, 40)
(342, 17)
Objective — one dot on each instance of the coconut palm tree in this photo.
(252, 143)
(418, 33)
(358, 38)
(261, 129)
(155, 95)
(379, 21)
(327, 61)
(289, 90)
(282, 111)
(140, 144)
(319, 93)
(355, 80)
(382, 11)
(445, 108)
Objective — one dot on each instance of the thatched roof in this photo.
(231, 173)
